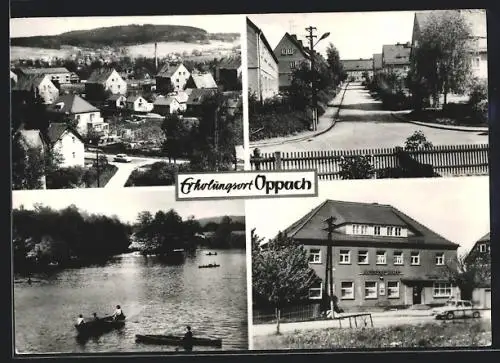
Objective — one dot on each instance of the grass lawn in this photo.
(438, 116)
(105, 176)
(459, 334)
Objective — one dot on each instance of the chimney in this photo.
(156, 57)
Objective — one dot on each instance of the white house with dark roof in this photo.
(166, 105)
(396, 58)
(378, 255)
(172, 77)
(289, 54)
(356, 67)
(137, 103)
(104, 80)
(67, 143)
(60, 75)
(201, 80)
(116, 102)
(30, 87)
(74, 108)
(480, 254)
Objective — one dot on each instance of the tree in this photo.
(469, 272)
(417, 141)
(356, 167)
(223, 233)
(334, 63)
(441, 64)
(280, 273)
(177, 137)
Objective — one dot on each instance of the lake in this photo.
(157, 298)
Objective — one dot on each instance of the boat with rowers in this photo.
(211, 254)
(211, 265)
(175, 340)
(100, 326)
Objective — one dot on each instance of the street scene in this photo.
(367, 265)
(368, 105)
(136, 272)
(90, 109)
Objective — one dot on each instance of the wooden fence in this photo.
(445, 160)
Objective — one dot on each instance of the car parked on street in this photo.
(456, 309)
(122, 158)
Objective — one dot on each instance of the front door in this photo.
(417, 295)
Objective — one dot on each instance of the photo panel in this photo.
(369, 265)
(127, 271)
(365, 95)
(123, 101)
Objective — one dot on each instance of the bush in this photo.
(479, 93)
(480, 111)
(66, 178)
(277, 124)
(158, 174)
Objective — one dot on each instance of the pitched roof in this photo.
(100, 75)
(233, 62)
(298, 44)
(313, 226)
(485, 238)
(198, 95)
(31, 138)
(357, 64)
(49, 70)
(57, 129)
(165, 101)
(377, 61)
(115, 97)
(133, 98)
(203, 80)
(263, 37)
(396, 54)
(168, 70)
(71, 104)
(28, 82)
(476, 18)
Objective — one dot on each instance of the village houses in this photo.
(102, 81)
(139, 104)
(172, 78)
(380, 256)
(166, 105)
(263, 69)
(58, 75)
(355, 68)
(32, 139)
(32, 87)
(87, 118)
(290, 53)
(67, 143)
(116, 102)
(396, 58)
(228, 74)
(481, 254)
(201, 80)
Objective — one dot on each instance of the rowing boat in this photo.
(173, 340)
(209, 265)
(101, 326)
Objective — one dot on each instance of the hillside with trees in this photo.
(115, 36)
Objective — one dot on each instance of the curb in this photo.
(301, 138)
(442, 127)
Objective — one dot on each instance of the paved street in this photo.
(380, 320)
(364, 125)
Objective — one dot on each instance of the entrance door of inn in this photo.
(417, 294)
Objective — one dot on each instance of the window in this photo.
(177, 80)
(370, 290)
(293, 65)
(389, 231)
(74, 155)
(355, 229)
(315, 255)
(397, 231)
(345, 256)
(118, 86)
(77, 117)
(440, 259)
(376, 230)
(286, 51)
(363, 257)
(482, 247)
(415, 258)
(73, 139)
(398, 258)
(92, 117)
(393, 289)
(381, 258)
(364, 229)
(347, 290)
(441, 289)
(316, 291)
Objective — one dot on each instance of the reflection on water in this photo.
(156, 297)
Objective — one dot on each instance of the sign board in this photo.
(381, 288)
(381, 272)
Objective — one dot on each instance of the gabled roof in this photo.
(377, 61)
(165, 101)
(57, 129)
(100, 75)
(198, 95)
(396, 54)
(476, 18)
(293, 39)
(313, 225)
(115, 97)
(28, 82)
(49, 70)
(168, 70)
(133, 98)
(31, 138)
(71, 104)
(230, 63)
(263, 37)
(485, 238)
(203, 80)
(357, 64)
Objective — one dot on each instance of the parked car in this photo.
(122, 158)
(456, 309)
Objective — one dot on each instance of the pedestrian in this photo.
(188, 339)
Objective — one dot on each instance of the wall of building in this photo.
(289, 58)
(180, 78)
(62, 78)
(116, 84)
(85, 118)
(47, 91)
(71, 149)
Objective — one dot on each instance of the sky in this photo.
(356, 35)
(26, 27)
(126, 203)
(455, 208)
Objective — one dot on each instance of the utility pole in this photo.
(329, 263)
(311, 37)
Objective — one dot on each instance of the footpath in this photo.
(404, 118)
(325, 124)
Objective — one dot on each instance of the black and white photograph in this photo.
(366, 95)
(107, 102)
(127, 271)
(367, 265)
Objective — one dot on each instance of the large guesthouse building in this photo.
(378, 256)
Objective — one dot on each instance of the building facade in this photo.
(355, 68)
(138, 104)
(58, 75)
(481, 254)
(396, 58)
(380, 256)
(291, 54)
(67, 143)
(103, 81)
(377, 62)
(29, 88)
(172, 78)
(263, 71)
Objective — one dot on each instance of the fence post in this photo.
(277, 157)
(278, 317)
(256, 158)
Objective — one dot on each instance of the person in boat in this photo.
(188, 339)
(96, 317)
(80, 320)
(118, 314)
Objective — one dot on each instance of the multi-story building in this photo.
(396, 58)
(27, 89)
(379, 256)
(477, 21)
(377, 62)
(480, 256)
(103, 81)
(68, 143)
(355, 68)
(172, 77)
(58, 75)
(263, 64)
(291, 54)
